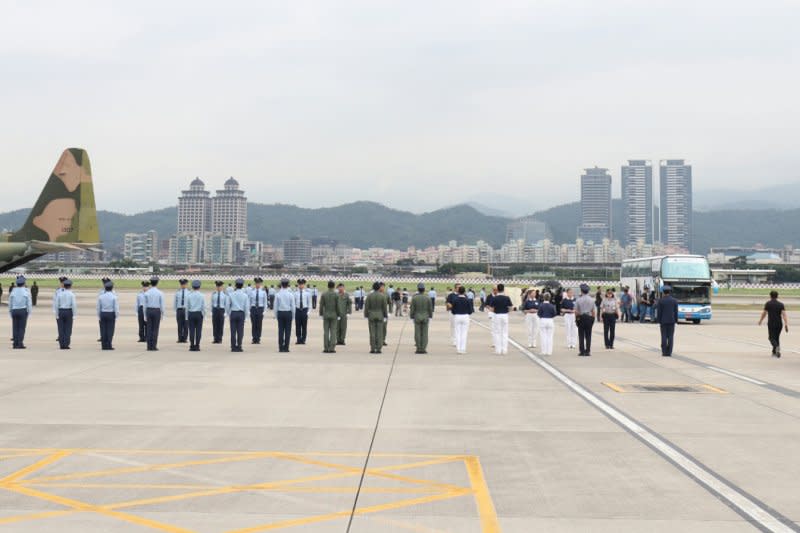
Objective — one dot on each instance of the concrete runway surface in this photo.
(212, 441)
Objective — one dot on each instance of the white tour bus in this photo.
(688, 275)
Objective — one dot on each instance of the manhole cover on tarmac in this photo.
(701, 388)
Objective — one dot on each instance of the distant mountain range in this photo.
(786, 196)
(772, 228)
(366, 224)
(359, 224)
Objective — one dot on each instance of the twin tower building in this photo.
(669, 222)
(210, 229)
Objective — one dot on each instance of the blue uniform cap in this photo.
(421, 286)
(109, 285)
(239, 282)
(68, 283)
(154, 279)
(667, 288)
(196, 284)
(20, 281)
(585, 288)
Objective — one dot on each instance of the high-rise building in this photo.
(141, 247)
(595, 205)
(637, 201)
(218, 249)
(184, 249)
(230, 211)
(297, 251)
(676, 203)
(527, 229)
(194, 209)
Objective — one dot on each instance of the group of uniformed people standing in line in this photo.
(238, 303)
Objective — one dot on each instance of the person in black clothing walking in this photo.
(666, 312)
(775, 312)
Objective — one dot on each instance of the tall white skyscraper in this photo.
(194, 209)
(230, 211)
(595, 205)
(637, 201)
(676, 203)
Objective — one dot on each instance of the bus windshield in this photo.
(691, 294)
(685, 268)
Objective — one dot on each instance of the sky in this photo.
(418, 105)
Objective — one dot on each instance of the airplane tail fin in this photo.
(65, 211)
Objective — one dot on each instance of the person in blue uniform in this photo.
(66, 308)
(570, 327)
(258, 302)
(179, 306)
(666, 311)
(302, 301)
(20, 306)
(238, 309)
(140, 311)
(461, 307)
(107, 314)
(219, 302)
(547, 313)
(284, 309)
(500, 307)
(155, 310)
(195, 312)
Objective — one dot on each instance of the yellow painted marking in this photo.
(33, 516)
(382, 471)
(715, 389)
(102, 510)
(613, 386)
(152, 468)
(342, 514)
(38, 465)
(426, 491)
(306, 489)
(350, 472)
(41, 451)
(483, 500)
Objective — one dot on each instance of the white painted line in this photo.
(739, 501)
(735, 375)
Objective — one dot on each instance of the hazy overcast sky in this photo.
(415, 104)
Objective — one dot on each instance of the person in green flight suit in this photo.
(345, 304)
(421, 313)
(376, 311)
(329, 311)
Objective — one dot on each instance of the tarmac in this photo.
(212, 441)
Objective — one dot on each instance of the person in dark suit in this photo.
(667, 316)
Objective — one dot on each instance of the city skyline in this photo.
(368, 101)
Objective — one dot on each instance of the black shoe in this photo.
(666, 355)
(331, 351)
(372, 351)
(256, 342)
(385, 344)
(141, 340)
(339, 344)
